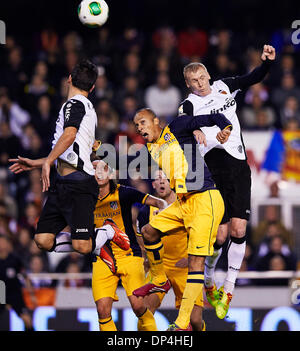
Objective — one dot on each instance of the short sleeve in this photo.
(186, 108)
(74, 111)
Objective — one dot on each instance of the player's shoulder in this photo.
(73, 104)
(219, 84)
(186, 107)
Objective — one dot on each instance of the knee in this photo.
(238, 228)
(138, 306)
(44, 241)
(238, 232)
(222, 234)
(103, 309)
(82, 246)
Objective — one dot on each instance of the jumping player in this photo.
(198, 209)
(227, 164)
(73, 192)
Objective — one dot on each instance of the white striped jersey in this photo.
(220, 100)
(78, 112)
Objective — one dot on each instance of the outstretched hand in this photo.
(21, 164)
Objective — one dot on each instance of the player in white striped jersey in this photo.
(73, 192)
(227, 164)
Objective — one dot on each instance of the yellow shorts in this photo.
(200, 214)
(178, 277)
(105, 283)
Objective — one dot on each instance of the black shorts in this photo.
(70, 203)
(233, 179)
(16, 301)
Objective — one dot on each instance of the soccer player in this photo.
(227, 164)
(198, 209)
(73, 192)
(115, 203)
(175, 256)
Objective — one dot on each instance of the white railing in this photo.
(242, 275)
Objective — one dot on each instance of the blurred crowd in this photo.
(136, 69)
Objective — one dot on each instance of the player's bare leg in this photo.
(104, 307)
(146, 321)
(45, 241)
(197, 321)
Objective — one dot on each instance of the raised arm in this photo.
(255, 76)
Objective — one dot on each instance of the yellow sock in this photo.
(193, 288)
(155, 254)
(147, 322)
(107, 324)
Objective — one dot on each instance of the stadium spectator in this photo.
(107, 121)
(8, 201)
(104, 88)
(290, 110)
(279, 257)
(14, 74)
(192, 42)
(22, 246)
(130, 87)
(43, 120)
(131, 66)
(287, 88)
(270, 225)
(163, 97)
(12, 113)
(257, 114)
(11, 268)
(36, 265)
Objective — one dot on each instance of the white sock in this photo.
(102, 235)
(63, 242)
(209, 269)
(236, 253)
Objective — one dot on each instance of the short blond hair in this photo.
(193, 67)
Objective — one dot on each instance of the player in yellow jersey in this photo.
(198, 209)
(114, 207)
(175, 257)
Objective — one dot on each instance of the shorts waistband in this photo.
(185, 196)
(73, 177)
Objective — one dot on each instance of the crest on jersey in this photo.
(113, 205)
(167, 137)
(71, 156)
(222, 92)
